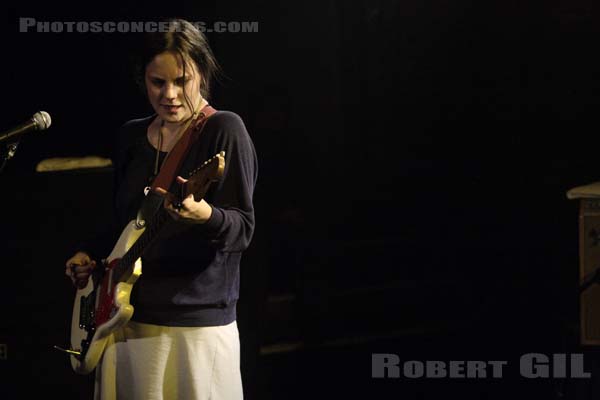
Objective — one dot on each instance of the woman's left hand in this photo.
(189, 210)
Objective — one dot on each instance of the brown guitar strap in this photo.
(171, 166)
(177, 155)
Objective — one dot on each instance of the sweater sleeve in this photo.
(231, 224)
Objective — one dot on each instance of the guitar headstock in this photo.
(201, 178)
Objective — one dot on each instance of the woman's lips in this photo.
(171, 108)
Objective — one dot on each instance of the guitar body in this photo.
(100, 309)
(103, 306)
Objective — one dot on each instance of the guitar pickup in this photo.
(86, 312)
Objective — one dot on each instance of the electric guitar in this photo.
(103, 305)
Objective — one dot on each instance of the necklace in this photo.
(182, 129)
(160, 135)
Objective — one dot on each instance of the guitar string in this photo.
(201, 104)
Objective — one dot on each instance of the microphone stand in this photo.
(10, 151)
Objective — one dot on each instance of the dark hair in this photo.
(184, 39)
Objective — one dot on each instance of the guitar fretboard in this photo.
(198, 183)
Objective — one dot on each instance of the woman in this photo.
(182, 341)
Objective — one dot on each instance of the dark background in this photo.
(414, 162)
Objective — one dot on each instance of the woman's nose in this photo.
(170, 91)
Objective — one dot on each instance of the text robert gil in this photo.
(531, 365)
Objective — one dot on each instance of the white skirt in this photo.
(152, 362)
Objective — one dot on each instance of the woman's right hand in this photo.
(78, 268)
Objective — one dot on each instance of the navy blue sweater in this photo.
(190, 273)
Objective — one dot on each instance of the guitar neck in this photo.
(199, 182)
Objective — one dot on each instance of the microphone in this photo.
(40, 121)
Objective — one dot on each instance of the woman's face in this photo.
(165, 85)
